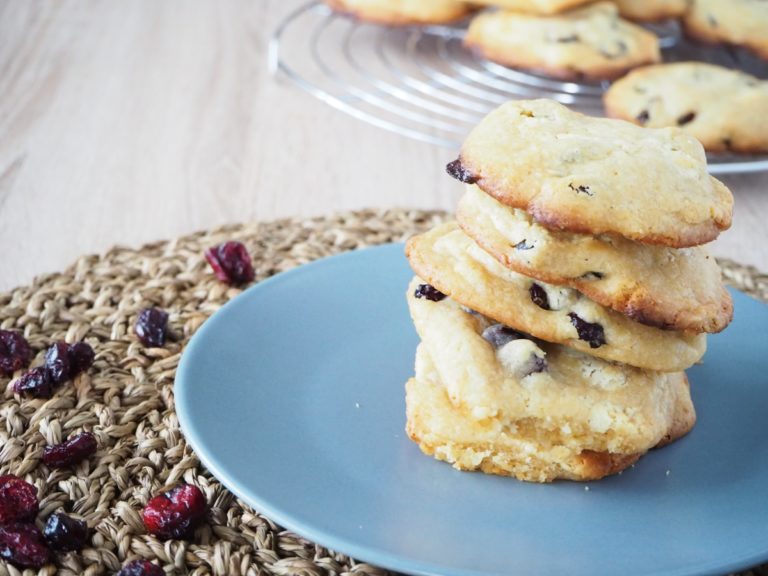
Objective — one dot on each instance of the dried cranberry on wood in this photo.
(140, 568)
(22, 545)
(63, 532)
(36, 382)
(151, 327)
(18, 500)
(58, 362)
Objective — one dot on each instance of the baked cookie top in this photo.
(724, 109)
(671, 288)
(596, 175)
(549, 392)
(403, 12)
(743, 22)
(651, 10)
(451, 262)
(535, 6)
(590, 42)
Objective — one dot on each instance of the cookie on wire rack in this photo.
(726, 110)
(451, 262)
(403, 12)
(739, 22)
(586, 43)
(676, 289)
(485, 397)
(570, 172)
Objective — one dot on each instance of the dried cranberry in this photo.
(63, 532)
(643, 117)
(539, 296)
(36, 382)
(429, 292)
(587, 331)
(140, 568)
(81, 357)
(231, 263)
(15, 352)
(71, 451)
(498, 334)
(534, 365)
(58, 363)
(457, 170)
(523, 245)
(151, 327)
(23, 546)
(18, 500)
(176, 513)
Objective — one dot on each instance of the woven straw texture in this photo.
(126, 398)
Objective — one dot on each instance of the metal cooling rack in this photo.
(421, 82)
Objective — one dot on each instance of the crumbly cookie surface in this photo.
(595, 176)
(591, 42)
(742, 22)
(651, 10)
(404, 12)
(450, 261)
(677, 289)
(726, 110)
(535, 6)
(530, 409)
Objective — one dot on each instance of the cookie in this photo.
(451, 262)
(591, 42)
(651, 10)
(589, 175)
(741, 22)
(726, 110)
(535, 6)
(677, 289)
(403, 12)
(508, 404)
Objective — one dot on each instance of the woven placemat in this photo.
(126, 399)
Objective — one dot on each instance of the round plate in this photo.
(292, 395)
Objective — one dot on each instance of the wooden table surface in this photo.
(127, 122)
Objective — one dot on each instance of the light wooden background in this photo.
(123, 122)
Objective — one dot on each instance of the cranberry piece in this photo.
(15, 352)
(36, 382)
(58, 363)
(23, 546)
(643, 117)
(686, 119)
(140, 568)
(457, 170)
(18, 500)
(81, 357)
(523, 245)
(151, 327)
(63, 532)
(429, 292)
(498, 334)
(587, 331)
(539, 296)
(71, 451)
(176, 513)
(231, 263)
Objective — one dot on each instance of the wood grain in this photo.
(127, 122)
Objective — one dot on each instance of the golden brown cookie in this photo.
(741, 22)
(487, 398)
(726, 110)
(589, 175)
(451, 262)
(670, 288)
(403, 12)
(591, 42)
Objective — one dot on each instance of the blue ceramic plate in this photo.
(292, 396)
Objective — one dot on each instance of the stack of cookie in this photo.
(558, 314)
